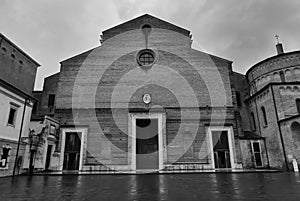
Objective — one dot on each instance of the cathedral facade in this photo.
(145, 100)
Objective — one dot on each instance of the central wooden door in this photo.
(147, 144)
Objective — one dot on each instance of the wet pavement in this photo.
(220, 186)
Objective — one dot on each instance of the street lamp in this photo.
(27, 101)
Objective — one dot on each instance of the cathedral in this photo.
(145, 101)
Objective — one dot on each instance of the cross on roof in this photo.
(277, 38)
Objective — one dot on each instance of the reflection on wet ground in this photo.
(246, 186)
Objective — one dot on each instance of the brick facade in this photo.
(16, 67)
(100, 91)
(100, 88)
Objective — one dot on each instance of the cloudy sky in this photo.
(239, 30)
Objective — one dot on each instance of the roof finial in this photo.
(279, 46)
(277, 38)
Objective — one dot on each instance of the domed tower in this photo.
(274, 105)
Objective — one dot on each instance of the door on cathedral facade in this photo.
(257, 153)
(147, 144)
(221, 149)
(72, 151)
(48, 157)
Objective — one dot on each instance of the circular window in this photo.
(146, 58)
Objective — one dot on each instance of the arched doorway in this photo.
(295, 129)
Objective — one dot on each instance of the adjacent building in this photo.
(42, 151)
(18, 71)
(273, 111)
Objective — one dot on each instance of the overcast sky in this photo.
(239, 30)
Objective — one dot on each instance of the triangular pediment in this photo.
(138, 22)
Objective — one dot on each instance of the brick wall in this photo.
(269, 70)
(50, 87)
(241, 87)
(109, 79)
(286, 95)
(291, 139)
(178, 67)
(107, 141)
(15, 67)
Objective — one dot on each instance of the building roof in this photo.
(15, 90)
(19, 49)
(250, 135)
(270, 58)
(297, 116)
(53, 75)
(37, 91)
(138, 22)
(217, 57)
(268, 85)
(84, 54)
(43, 117)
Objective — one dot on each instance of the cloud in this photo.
(239, 30)
(51, 31)
(244, 31)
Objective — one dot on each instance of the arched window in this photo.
(263, 111)
(295, 128)
(253, 121)
(3, 50)
(238, 99)
(282, 76)
(298, 105)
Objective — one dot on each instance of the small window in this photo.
(4, 156)
(52, 129)
(51, 100)
(263, 111)
(3, 50)
(12, 115)
(238, 99)
(34, 109)
(253, 121)
(298, 105)
(282, 77)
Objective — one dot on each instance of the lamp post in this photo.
(27, 101)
